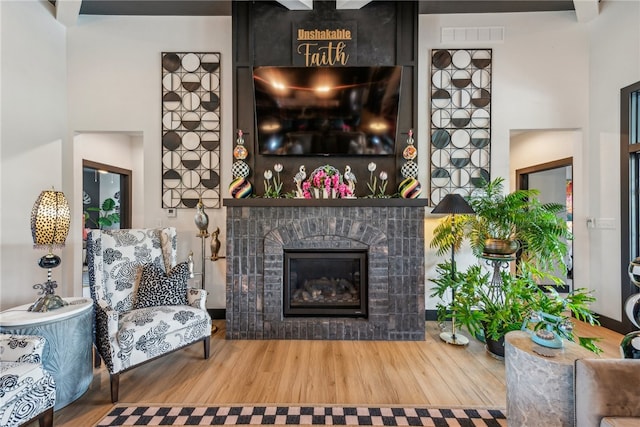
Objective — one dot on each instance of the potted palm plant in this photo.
(490, 313)
(506, 223)
(490, 305)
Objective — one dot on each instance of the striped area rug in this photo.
(164, 415)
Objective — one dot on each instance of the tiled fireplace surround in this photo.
(260, 230)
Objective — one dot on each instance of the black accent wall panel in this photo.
(387, 34)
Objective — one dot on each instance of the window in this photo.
(629, 183)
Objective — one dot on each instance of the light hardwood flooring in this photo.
(428, 372)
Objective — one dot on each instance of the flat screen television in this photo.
(324, 111)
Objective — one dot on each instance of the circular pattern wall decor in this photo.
(190, 129)
(460, 121)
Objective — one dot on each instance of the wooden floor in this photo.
(428, 372)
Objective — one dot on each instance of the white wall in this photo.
(33, 138)
(543, 55)
(614, 62)
(539, 74)
(115, 74)
(530, 148)
(553, 73)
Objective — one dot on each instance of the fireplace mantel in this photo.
(391, 231)
(358, 202)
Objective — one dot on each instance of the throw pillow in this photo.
(157, 288)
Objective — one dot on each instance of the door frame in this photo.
(522, 183)
(125, 186)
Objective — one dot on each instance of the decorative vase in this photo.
(410, 188)
(240, 188)
(316, 193)
(501, 247)
(632, 309)
(630, 345)
(334, 193)
(325, 193)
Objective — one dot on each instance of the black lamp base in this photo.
(49, 300)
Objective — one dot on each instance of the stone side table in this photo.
(67, 355)
(540, 391)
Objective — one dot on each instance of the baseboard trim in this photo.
(614, 325)
(432, 315)
(217, 313)
(562, 289)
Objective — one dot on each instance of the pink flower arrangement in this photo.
(328, 180)
(344, 191)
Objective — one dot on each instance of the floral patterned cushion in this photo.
(157, 288)
(152, 331)
(118, 257)
(26, 389)
(21, 348)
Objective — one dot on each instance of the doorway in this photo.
(100, 183)
(554, 180)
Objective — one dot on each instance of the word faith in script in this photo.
(316, 54)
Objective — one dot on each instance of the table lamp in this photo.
(50, 220)
(453, 204)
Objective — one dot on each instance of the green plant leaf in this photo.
(108, 205)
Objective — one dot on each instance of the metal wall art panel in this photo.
(190, 129)
(460, 121)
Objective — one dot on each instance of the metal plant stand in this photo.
(497, 263)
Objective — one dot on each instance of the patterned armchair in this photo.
(143, 307)
(27, 391)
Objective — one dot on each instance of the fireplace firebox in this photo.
(325, 283)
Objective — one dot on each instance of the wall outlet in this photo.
(591, 222)
(606, 223)
(172, 213)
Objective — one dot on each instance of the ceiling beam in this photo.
(297, 4)
(67, 12)
(351, 4)
(586, 10)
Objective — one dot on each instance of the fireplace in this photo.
(382, 238)
(325, 283)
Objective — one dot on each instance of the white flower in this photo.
(383, 175)
(372, 166)
(277, 167)
(268, 174)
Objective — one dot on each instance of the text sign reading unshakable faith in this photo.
(324, 44)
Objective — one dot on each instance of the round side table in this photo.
(540, 391)
(67, 353)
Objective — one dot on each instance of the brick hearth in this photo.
(391, 230)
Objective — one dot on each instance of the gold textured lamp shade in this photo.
(50, 220)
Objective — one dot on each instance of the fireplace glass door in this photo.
(325, 283)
